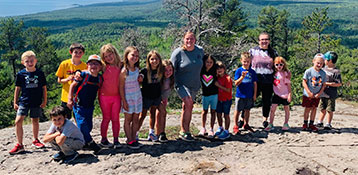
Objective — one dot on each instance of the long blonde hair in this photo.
(149, 68)
(109, 48)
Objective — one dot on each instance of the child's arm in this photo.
(16, 97)
(333, 84)
(62, 80)
(238, 81)
(70, 94)
(321, 91)
(289, 98)
(44, 95)
(255, 91)
(122, 80)
(222, 87)
(305, 86)
(50, 136)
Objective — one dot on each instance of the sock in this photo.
(305, 122)
(311, 122)
(115, 140)
(151, 130)
(103, 139)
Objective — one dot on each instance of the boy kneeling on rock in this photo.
(64, 136)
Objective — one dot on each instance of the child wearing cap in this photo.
(81, 98)
(314, 82)
(329, 95)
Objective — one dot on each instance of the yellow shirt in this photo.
(66, 69)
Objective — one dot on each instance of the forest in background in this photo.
(299, 29)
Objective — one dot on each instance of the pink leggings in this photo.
(110, 106)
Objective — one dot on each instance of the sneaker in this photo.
(211, 134)
(240, 123)
(152, 137)
(236, 129)
(247, 127)
(224, 135)
(219, 131)
(327, 126)
(17, 149)
(269, 127)
(202, 132)
(133, 144)
(313, 128)
(70, 158)
(116, 145)
(163, 138)
(106, 144)
(265, 124)
(319, 124)
(36, 143)
(285, 127)
(304, 127)
(186, 136)
(58, 156)
(94, 147)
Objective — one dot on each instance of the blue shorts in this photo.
(243, 103)
(224, 107)
(147, 102)
(35, 112)
(211, 100)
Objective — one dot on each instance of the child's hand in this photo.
(16, 106)
(289, 98)
(43, 105)
(140, 78)
(243, 73)
(310, 94)
(77, 76)
(70, 103)
(125, 105)
(317, 95)
(70, 78)
(165, 102)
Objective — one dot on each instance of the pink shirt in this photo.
(110, 86)
(280, 84)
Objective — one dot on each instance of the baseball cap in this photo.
(94, 57)
(330, 55)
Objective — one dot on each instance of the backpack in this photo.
(85, 82)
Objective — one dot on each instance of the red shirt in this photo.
(227, 83)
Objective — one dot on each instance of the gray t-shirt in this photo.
(187, 67)
(332, 75)
(314, 79)
(69, 130)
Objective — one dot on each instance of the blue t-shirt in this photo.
(31, 84)
(246, 88)
(68, 129)
(315, 80)
(88, 93)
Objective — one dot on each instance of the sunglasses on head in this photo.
(279, 64)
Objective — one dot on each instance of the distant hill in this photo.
(149, 13)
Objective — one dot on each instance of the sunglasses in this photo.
(278, 64)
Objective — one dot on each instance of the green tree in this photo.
(316, 23)
(11, 41)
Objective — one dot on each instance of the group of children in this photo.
(118, 88)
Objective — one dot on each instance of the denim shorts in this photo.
(147, 102)
(185, 92)
(34, 112)
(224, 107)
(211, 100)
(243, 103)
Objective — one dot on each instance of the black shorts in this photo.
(278, 100)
